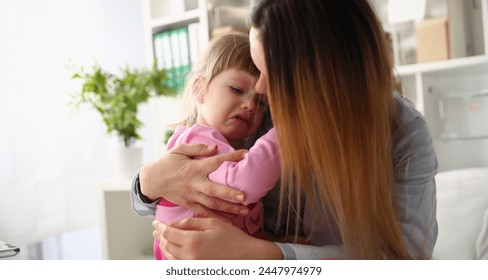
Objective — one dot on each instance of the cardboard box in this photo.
(433, 40)
(228, 29)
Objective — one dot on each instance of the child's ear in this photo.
(198, 90)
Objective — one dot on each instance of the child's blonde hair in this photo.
(224, 52)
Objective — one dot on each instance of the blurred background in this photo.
(53, 158)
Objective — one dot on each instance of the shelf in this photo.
(463, 138)
(168, 22)
(467, 95)
(412, 69)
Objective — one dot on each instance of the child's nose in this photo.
(249, 104)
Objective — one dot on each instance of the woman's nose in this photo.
(261, 85)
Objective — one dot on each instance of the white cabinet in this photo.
(452, 93)
(125, 235)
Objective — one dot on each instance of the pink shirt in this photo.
(255, 175)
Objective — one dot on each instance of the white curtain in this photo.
(53, 159)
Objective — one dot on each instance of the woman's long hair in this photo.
(330, 93)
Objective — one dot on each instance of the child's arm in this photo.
(257, 173)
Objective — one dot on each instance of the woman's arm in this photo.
(415, 165)
(183, 181)
(208, 238)
(203, 238)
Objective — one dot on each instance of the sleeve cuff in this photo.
(287, 250)
(309, 252)
(139, 203)
(137, 190)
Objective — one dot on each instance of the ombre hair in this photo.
(331, 98)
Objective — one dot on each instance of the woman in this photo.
(360, 157)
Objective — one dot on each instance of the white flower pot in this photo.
(127, 161)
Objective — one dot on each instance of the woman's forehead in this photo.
(257, 52)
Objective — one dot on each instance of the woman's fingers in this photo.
(214, 196)
(186, 239)
(209, 164)
(194, 150)
(214, 190)
(179, 229)
(172, 239)
(189, 186)
(158, 234)
(202, 150)
(193, 224)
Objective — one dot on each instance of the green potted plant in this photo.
(117, 99)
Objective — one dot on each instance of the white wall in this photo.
(53, 158)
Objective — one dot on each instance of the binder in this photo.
(184, 56)
(172, 51)
(175, 58)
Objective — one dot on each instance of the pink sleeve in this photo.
(199, 134)
(257, 173)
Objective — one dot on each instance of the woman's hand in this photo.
(209, 238)
(184, 181)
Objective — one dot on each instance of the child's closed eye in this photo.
(237, 90)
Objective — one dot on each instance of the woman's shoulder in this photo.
(413, 147)
(410, 123)
(406, 109)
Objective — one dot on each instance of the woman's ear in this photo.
(198, 90)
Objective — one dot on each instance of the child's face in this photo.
(231, 105)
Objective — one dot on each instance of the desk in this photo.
(126, 236)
